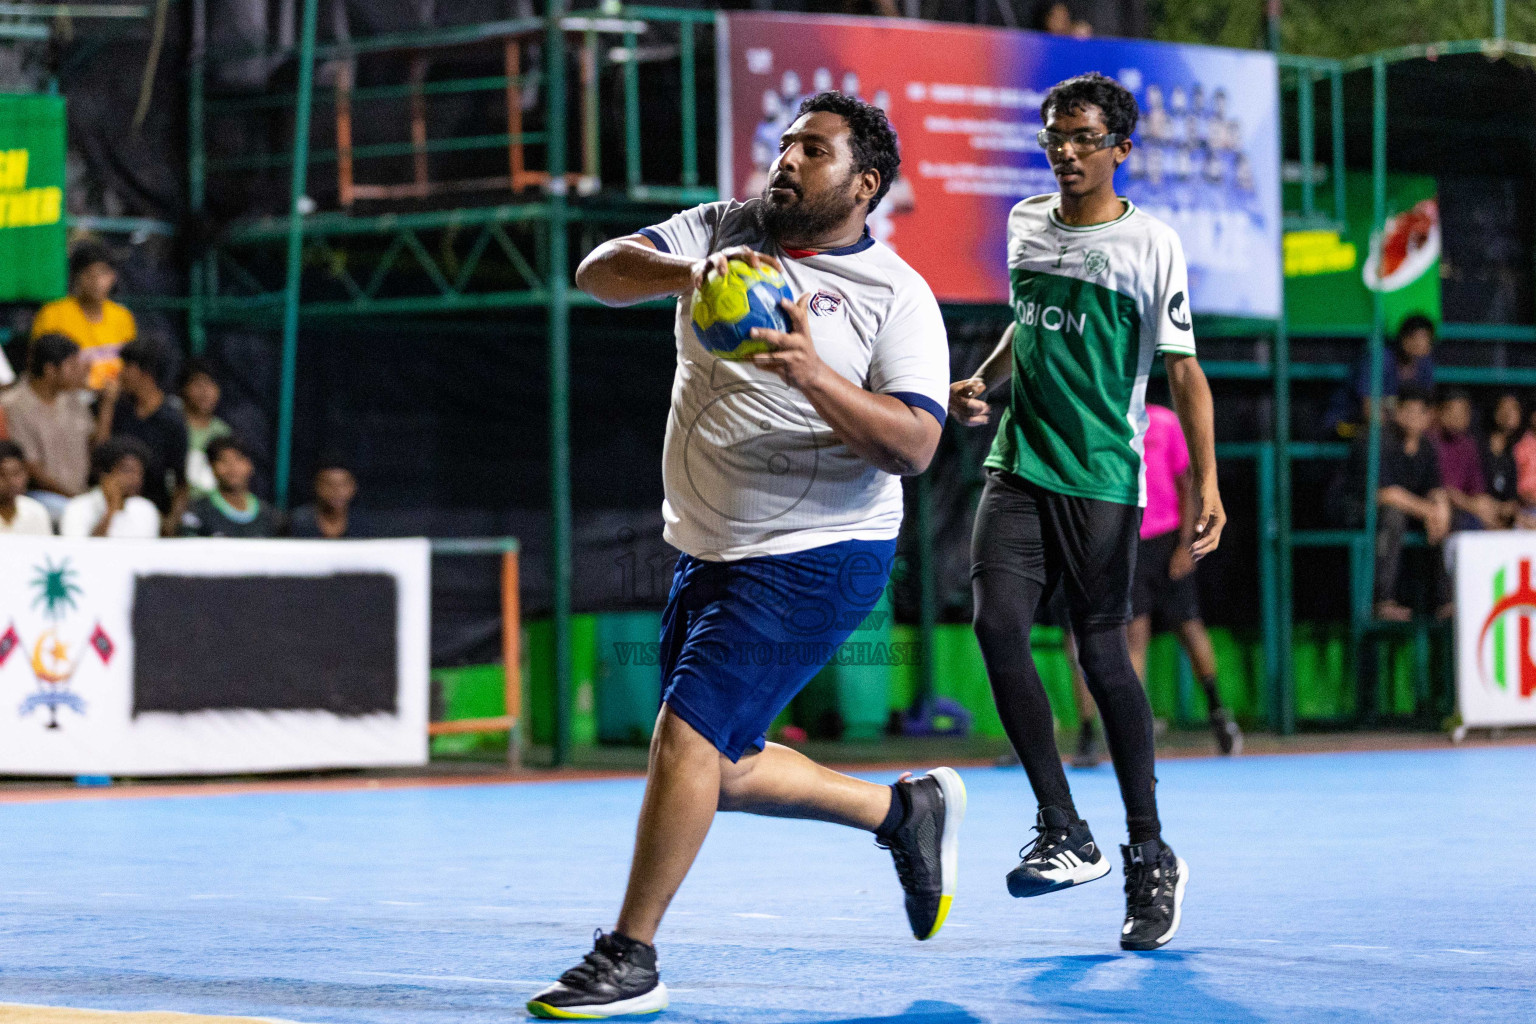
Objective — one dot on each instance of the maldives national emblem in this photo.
(55, 658)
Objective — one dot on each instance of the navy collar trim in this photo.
(865, 241)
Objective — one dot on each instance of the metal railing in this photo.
(608, 50)
(510, 722)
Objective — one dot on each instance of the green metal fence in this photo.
(338, 262)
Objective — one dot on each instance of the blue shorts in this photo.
(740, 639)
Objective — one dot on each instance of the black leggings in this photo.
(1018, 539)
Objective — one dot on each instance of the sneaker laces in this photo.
(1143, 883)
(1044, 840)
(904, 866)
(593, 965)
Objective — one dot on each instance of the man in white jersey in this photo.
(1099, 290)
(782, 492)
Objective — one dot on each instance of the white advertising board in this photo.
(1495, 622)
(78, 698)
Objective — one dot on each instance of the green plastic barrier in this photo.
(628, 676)
(618, 681)
(470, 691)
(540, 681)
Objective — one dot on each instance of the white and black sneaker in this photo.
(1229, 736)
(617, 978)
(1154, 894)
(1062, 855)
(926, 846)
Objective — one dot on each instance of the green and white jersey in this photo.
(1092, 306)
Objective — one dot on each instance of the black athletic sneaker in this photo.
(1088, 754)
(1154, 894)
(1229, 738)
(1062, 855)
(618, 977)
(925, 846)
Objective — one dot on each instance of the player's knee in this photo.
(997, 622)
(1105, 658)
(675, 740)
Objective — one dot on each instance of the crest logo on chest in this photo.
(826, 303)
(1095, 262)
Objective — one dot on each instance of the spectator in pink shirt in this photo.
(1525, 474)
(1164, 589)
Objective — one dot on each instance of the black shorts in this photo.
(1170, 602)
(1084, 545)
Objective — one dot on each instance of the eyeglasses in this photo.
(1082, 142)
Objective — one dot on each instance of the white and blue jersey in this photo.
(750, 468)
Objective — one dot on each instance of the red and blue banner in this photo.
(966, 103)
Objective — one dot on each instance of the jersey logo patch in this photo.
(1176, 314)
(1095, 262)
(825, 303)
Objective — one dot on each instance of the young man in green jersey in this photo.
(1099, 289)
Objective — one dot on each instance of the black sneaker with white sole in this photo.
(926, 846)
(1062, 855)
(1154, 894)
(1229, 736)
(617, 978)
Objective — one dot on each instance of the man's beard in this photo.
(808, 220)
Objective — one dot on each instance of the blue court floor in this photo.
(1344, 887)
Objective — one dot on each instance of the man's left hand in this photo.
(793, 356)
(1208, 527)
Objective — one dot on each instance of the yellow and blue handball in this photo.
(727, 306)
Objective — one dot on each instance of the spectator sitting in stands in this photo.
(1408, 493)
(330, 517)
(1461, 467)
(19, 513)
(231, 510)
(1498, 450)
(199, 399)
(113, 508)
(1409, 362)
(87, 316)
(1524, 453)
(136, 406)
(1054, 17)
(51, 426)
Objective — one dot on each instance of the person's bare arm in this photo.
(1461, 501)
(882, 430)
(1192, 400)
(967, 398)
(1182, 563)
(627, 270)
(115, 501)
(106, 408)
(1424, 508)
(42, 480)
(1438, 527)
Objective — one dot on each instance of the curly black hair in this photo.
(1093, 89)
(227, 443)
(870, 135)
(111, 453)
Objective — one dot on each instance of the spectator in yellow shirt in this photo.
(87, 316)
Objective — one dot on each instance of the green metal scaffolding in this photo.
(532, 236)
